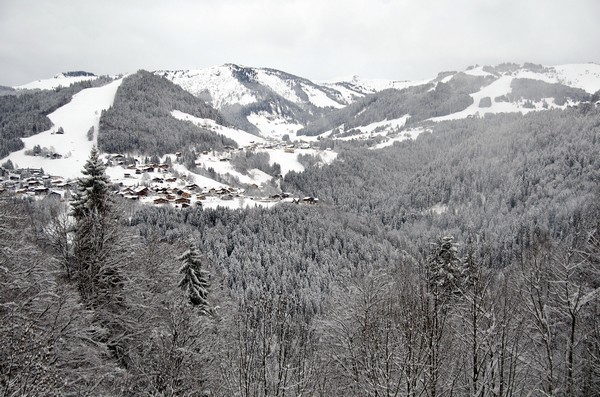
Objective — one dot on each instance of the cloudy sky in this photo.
(317, 39)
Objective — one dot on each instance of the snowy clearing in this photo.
(412, 133)
(273, 127)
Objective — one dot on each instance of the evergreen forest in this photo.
(465, 262)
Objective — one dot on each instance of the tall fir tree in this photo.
(195, 279)
(95, 242)
(92, 196)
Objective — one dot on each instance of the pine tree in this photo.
(444, 267)
(96, 243)
(195, 279)
(92, 196)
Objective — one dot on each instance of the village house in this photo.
(141, 191)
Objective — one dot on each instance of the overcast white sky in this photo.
(317, 39)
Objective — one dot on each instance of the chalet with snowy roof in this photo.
(182, 200)
(40, 190)
(141, 191)
(161, 200)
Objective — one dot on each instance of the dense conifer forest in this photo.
(140, 119)
(463, 263)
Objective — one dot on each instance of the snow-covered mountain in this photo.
(64, 79)
(260, 100)
(477, 91)
(258, 106)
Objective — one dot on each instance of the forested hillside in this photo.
(140, 119)
(465, 262)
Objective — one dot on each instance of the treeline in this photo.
(536, 90)
(25, 113)
(140, 119)
(420, 102)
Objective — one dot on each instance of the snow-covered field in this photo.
(380, 128)
(273, 127)
(59, 80)
(76, 118)
(411, 133)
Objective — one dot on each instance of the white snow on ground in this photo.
(289, 160)
(477, 71)
(319, 98)
(500, 87)
(76, 118)
(384, 127)
(272, 126)
(223, 168)
(347, 95)
(242, 138)
(412, 133)
(585, 76)
(280, 86)
(223, 87)
(237, 203)
(374, 85)
(59, 80)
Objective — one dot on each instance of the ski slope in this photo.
(76, 118)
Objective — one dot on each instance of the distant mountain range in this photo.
(274, 103)
(228, 105)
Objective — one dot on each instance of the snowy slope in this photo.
(224, 88)
(585, 76)
(356, 87)
(242, 138)
(234, 84)
(76, 118)
(60, 80)
(577, 77)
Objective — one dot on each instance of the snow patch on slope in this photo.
(411, 133)
(273, 126)
(278, 85)
(500, 87)
(319, 98)
(219, 81)
(585, 76)
(76, 118)
(57, 81)
(288, 161)
(242, 138)
(379, 128)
